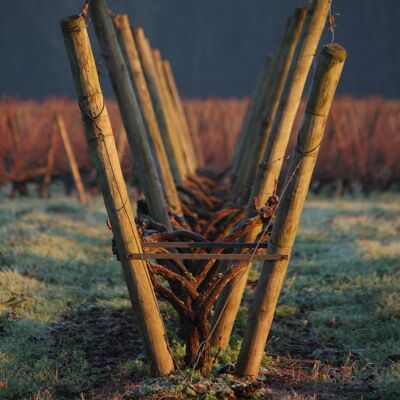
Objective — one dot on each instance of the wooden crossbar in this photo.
(191, 256)
(204, 256)
(203, 245)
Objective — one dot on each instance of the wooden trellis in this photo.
(190, 215)
(204, 256)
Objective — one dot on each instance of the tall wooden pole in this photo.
(136, 73)
(51, 156)
(16, 161)
(229, 301)
(121, 142)
(62, 130)
(304, 157)
(262, 101)
(177, 103)
(176, 158)
(104, 156)
(135, 130)
(180, 138)
(274, 155)
(265, 115)
(249, 116)
(195, 134)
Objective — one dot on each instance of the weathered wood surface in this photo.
(177, 103)
(176, 158)
(51, 156)
(265, 114)
(104, 156)
(304, 157)
(243, 136)
(62, 130)
(274, 155)
(205, 256)
(131, 116)
(229, 302)
(204, 245)
(121, 142)
(269, 171)
(179, 137)
(134, 64)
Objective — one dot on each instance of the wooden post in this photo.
(130, 112)
(121, 142)
(265, 115)
(260, 105)
(274, 155)
(50, 164)
(104, 156)
(229, 301)
(176, 159)
(180, 138)
(177, 103)
(62, 130)
(16, 160)
(195, 135)
(249, 116)
(132, 59)
(304, 157)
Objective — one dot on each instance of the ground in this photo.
(67, 330)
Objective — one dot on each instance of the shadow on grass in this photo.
(108, 338)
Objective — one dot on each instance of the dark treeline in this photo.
(216, 46)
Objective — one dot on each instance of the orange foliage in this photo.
(362, 142)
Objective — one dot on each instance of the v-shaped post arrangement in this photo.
(194, 237)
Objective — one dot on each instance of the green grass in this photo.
(66, 329)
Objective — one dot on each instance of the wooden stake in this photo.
(176, 159)
(50, 163)
(329, 69)
(177, 103)
(62, 130)
(249, 116)
(265, 115)
(229, 301)
(104, 156)
(135, 69)
(180, 138)
(274, 155)
(130, 112)
(195, 135)
(16, 160)
(121, 142)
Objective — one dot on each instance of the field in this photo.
(67, 329)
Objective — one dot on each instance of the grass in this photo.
(67, 331)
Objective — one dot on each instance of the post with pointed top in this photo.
(104, 157)
(127, 102)
(304, 157)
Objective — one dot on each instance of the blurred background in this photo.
(216, 48)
